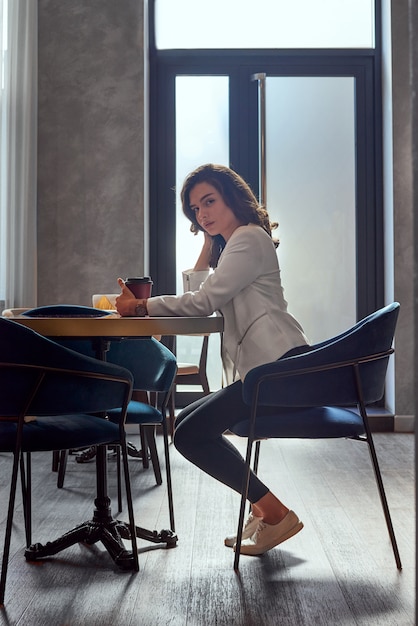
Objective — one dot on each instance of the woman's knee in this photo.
(206, 419)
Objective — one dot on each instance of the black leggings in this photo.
(199, 436)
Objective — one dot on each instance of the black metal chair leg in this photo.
(384, 502)
(132, 528)
(119, 478)
(62, 466)
(9, 522)
(144, 446)
(168, 474)
(55, 460)
(256, 456)
(382, 493)
(244, 493)
(26, 496)
(375, 463)
(152, 447)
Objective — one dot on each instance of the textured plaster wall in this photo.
(90, 147)
(403, 212)
(413, 7)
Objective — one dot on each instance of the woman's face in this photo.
(211, 212)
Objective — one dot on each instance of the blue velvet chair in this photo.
(154, 369)
(315, 394)
(85, 346)
(65, 392)
(60, 457)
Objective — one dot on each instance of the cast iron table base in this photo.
(102, 528)
(110, 533)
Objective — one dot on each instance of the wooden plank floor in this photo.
(339, 570)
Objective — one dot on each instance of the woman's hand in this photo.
(126, 302)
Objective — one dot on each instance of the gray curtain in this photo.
(18, 163)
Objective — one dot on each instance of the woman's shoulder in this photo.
(250, 231)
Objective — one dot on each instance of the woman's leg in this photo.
(199, 437)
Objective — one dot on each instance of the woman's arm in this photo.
(249, 254)
(242, 261)
(203, 260)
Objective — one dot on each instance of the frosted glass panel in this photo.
(202, 136)
(264, 24)
(310, 174)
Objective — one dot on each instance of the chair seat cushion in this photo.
(304, 423)
(138, 413)
(59, 433)
(183, 369)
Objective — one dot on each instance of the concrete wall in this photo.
(90, 147)
(403, 215)
(414, 108)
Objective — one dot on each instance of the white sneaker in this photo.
(267, 536)
(249, 529)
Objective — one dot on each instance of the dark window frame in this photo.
(363, 65)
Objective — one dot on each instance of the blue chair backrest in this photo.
(60, 392)
(153, 366)
(84, 346)
(372, 335)
(65, 310)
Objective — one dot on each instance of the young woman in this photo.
(245, 288)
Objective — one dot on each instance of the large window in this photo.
(209, 24)
(322, 150)
(202, 135)
(310, 190)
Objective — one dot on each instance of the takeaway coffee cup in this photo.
(141, 286)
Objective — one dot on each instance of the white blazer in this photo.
(246, 289)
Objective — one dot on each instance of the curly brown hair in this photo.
(236, 194)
